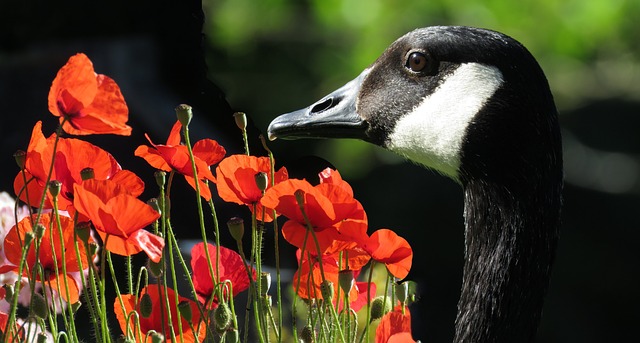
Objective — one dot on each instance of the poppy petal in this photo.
(387, 247)
(78, 79)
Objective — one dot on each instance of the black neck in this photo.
(510, 239)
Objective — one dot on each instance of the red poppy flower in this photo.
(395, 327)
(385, 246)
(14, 241)
(236, 181)
(174, 156)
(311, 274)
(158, 319)
(336, 217)
(119, 218)
(71, 157)
(91, 103)
(231, 268)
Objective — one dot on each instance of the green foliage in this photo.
(275, 56)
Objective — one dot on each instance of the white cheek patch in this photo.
(432, 133)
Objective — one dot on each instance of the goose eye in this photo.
(417, 62)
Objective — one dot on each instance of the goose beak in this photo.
(334, 116)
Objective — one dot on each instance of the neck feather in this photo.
(510, 240)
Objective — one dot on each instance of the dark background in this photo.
(271, 57)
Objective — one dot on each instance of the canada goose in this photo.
(474, 105)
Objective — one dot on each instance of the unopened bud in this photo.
(93, 249)
(76, 306)
(39, 230)
(83, 230)
(28, 237)
(153, 202)
(299, 197)
(42, 337)
(241, 120)
(262, 181)
(184, 113)
(346, 280)
(307, 334)
(380, 306)
(185, 310)
(222, 316)
(231, 336)
(236, 228)
(9, 291)
(87, 174)
(39, 306)
(402, 291)
(327, 290)
(265, 283)
(156, 269)
(160, 177)
(21, 158)
(54, 187)
(146, 305)
(156, 337)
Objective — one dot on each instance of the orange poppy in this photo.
(71, 157)
(231, 268)
(336, 217)
(158, 319)
(14, 241)
(311, 275)
(236, 181)
(119, 218)
(385, 246)
(91, 103)
(395, 327)
(174, 156)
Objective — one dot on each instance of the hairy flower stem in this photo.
(203, 232)
(319, 256)
(365, 333)
(276, 243)
(71, 322)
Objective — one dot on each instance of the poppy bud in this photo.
(156, 337)
(42, 338)
(307, 334)
(21, 157)
(39, 230)
(241, 120)
(155, 269)
(83, 230)
(54, 187)
(402, 292)
(184, 114)
(160, 177)
(87, 174)
(346, 280)
(222, 316)
(185, 310)
(93, 248)
(327, 290)
(380, 306)
(146, 305)
(262, 181)
(265, 283)
(153, 202)
(39, 306)
(299, 197)
(28, 237)
(9, 291)
(266, 303)
(231, 336)
(76, 306)
(236, 228)
(124, 339)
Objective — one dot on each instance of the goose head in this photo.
(474, 105)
